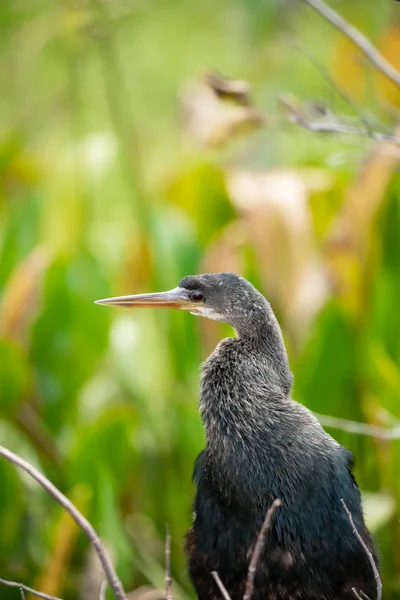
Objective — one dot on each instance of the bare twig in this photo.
(248, 592)
(333, 84)
(79, 519)
(296, 114)
(23, 587)
(168, 579)
(366, 47)
(103, 587)
(375, 431)
(222, 588)
(367, 552)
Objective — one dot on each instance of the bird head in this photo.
(223, 297)
(228, 298)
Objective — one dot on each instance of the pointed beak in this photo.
(176, 298)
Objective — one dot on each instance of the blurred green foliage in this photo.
(105, 190)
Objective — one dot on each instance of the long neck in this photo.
(244, 376)
(245, 383)
(261, 341)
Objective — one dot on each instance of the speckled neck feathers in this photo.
(244, 375)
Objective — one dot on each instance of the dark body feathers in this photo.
(261, 445)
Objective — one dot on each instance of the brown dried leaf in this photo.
(364, 198)
(349, 68)
(390, 48)
(57, 566)
(224, 253)
(276, 213)
(211, 120)
(21, 293)
(349, 241)
(229, 89)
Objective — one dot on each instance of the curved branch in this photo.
(258, 548)
(359, 39)
(296, 114)
(367, 552)
(376, 431)
(168, 579)
(222, 588)
(79, 519)
(25, 588)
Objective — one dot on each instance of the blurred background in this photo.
(121, 171)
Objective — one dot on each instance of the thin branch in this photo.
(375, 431)
(367, 552)
(79, 519)
(103, 587)
(333, 84)
(359, 39)
(296, 114)
(222, 588)
(168, 579)
(23, 587)
(248, 592)
(357, 595)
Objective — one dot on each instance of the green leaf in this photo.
(11, 508)
(108, 441)
(70, 335)
(379, 509)
(325, 375)
(15, 376)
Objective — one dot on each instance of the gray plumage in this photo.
(262, 446)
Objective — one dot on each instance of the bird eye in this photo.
(196, 296)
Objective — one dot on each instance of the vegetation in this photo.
(117, 177)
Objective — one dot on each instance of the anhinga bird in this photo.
(262, 445)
